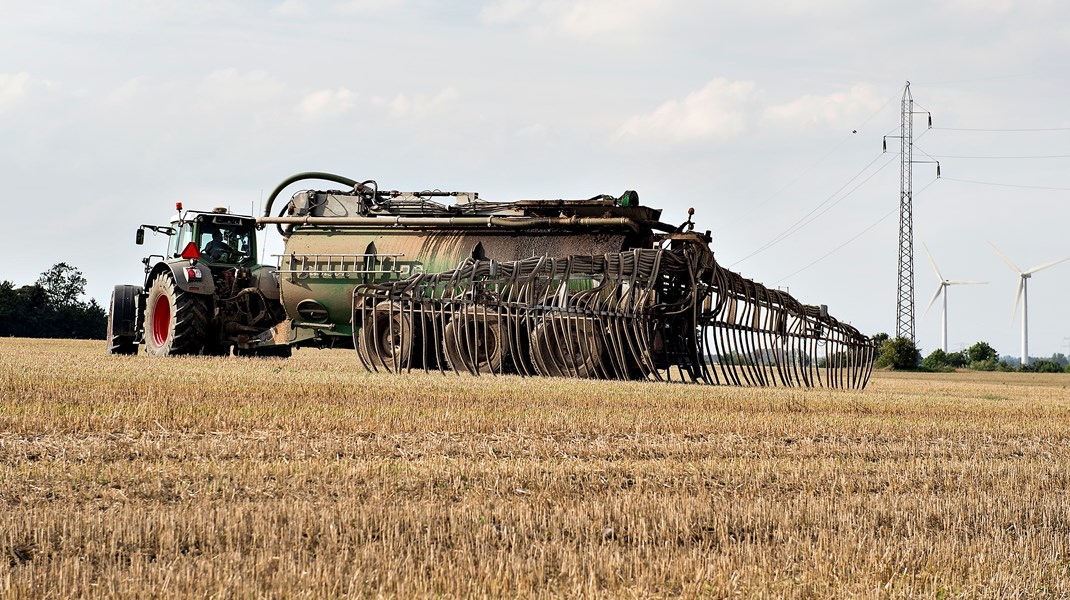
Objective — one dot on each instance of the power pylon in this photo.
(904, 324)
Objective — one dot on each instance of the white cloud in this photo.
(536, 131)
(418, 106)
(228, 87)
(327, 104)
(717, 111)
(13, 88)
(130, 91)
(858, 101)
(580, 18)
(291, 8)
(505, 11)
(366, 7)
(598, 17)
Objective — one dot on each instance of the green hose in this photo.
(300, 176)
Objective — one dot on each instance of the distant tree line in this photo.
(902, 354)
(52, 307)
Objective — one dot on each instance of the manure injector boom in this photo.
(595, 288)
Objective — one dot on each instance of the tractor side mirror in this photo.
(140, 238)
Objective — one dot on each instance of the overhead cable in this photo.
(858, 235)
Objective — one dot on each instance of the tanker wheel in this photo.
(389, 339)
(635, 338)
(474, 343)
(567, 347)
(118, 344)
(176, 321)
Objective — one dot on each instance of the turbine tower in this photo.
(942, 289)
(1023, 296)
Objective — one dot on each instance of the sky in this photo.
(769, 118)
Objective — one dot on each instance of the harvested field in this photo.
(142, 477)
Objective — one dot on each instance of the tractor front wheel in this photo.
(122, 311)
(176, 321)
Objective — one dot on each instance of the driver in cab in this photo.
(216, 248)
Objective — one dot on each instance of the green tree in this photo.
(51, 307)
(1044, 365)
(899, 353)
(958, 359)
(938, 360)
(981, 352)
(63, 284)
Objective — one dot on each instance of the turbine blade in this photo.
(932, 261)
(1018, 298)
(1005, 259)
(965, 282)
(939, 289)
(1046, 265)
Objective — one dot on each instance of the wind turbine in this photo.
(942, 289)
(1023, 296)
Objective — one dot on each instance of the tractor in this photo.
(207, 294)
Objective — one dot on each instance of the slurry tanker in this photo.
(447, 281)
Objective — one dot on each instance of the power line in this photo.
(1010, 185)
(1003, 130)
(806, 219)
(801, 174)
(804, 172)
(1003, 157)
(860, 234)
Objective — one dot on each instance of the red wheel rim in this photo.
(161, 320)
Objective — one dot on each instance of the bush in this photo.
(899, 353)
(1044, 365)
(981, 352)
(989, 365)
(938, 360)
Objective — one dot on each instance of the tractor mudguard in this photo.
(178, 268)
(266, 279)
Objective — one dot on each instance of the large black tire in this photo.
(390, 339)
(567, 346)
(474, 343)
(122, 311)
(176, 321)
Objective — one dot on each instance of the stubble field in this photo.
(230, 477)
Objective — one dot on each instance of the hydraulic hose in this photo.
(301, 177)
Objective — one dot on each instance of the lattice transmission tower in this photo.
(904, 323)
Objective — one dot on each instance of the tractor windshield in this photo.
(222, 243)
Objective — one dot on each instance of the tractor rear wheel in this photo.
(176, 321)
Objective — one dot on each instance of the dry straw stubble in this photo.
(142, 477)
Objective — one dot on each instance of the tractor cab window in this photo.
(225, 243)
(183, 236)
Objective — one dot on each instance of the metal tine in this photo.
(357, 293)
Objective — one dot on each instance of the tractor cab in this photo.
(216, 238)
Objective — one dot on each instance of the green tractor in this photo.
(206, 295)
